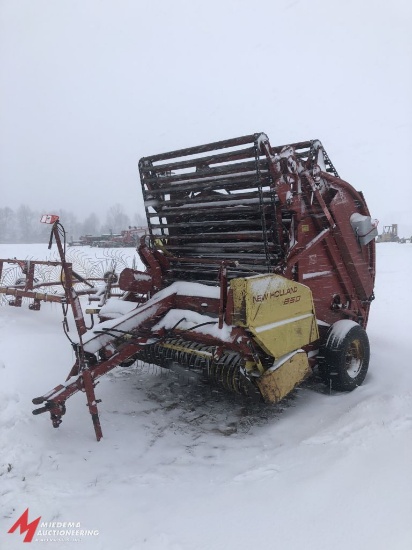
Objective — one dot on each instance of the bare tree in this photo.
(7, 225)
(70, 223)
(139, 219)
(91, 225)
(25, 224)
(116, 219)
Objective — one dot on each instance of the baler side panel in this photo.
(356, 257)
(317, 271)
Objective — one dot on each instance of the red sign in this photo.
(25, 526)
(49, 218)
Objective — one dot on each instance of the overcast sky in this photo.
(87, 87)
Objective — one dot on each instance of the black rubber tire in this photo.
(344, 358)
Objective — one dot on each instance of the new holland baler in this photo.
(259, 267)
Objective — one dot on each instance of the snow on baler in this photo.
(259, 265)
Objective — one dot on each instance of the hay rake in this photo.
(36, 281)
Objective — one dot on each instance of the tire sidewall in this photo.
(334, 369)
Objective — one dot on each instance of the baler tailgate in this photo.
(193, 206)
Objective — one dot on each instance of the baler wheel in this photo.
(345, 356)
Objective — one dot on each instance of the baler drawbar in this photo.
(259, 267)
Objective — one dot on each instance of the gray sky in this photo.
(87, 87)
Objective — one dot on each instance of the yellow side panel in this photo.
(274, 385)
(279, 312)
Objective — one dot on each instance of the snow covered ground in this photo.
(181, 467)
